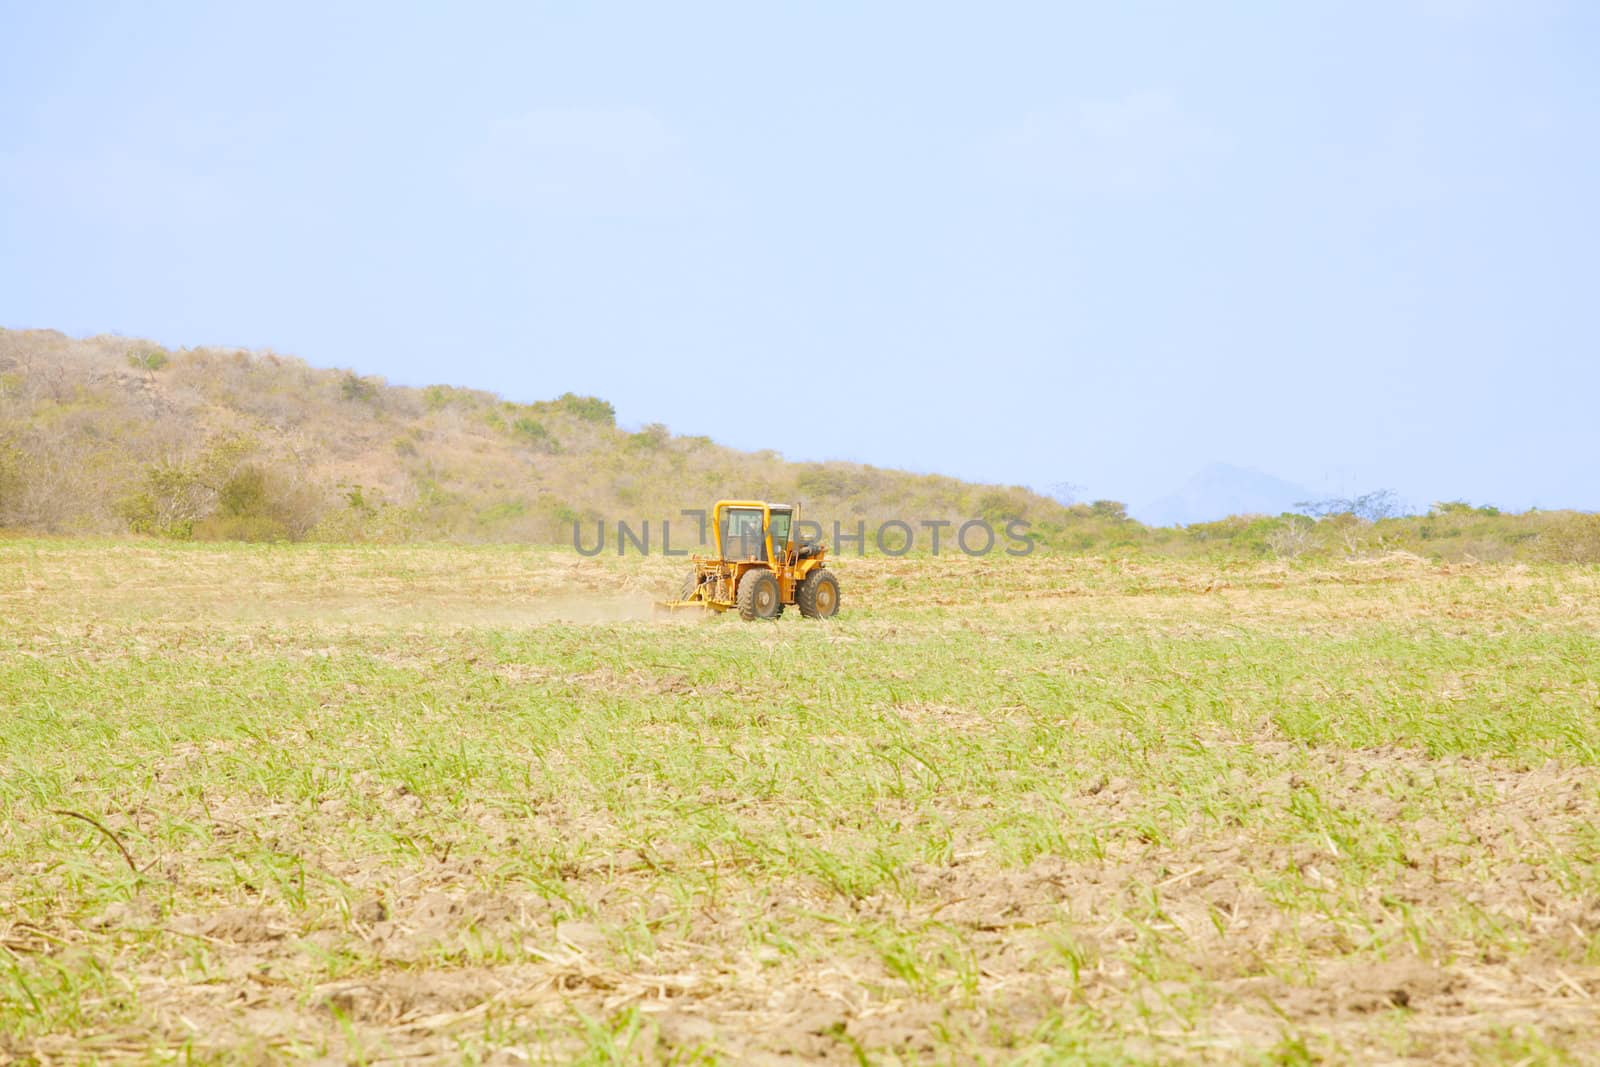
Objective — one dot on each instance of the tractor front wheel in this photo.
(691, 582)
(818, 595)
(758, 596)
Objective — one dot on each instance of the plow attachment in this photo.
(695, 596)
(680, 605)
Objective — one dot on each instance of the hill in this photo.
(116, 436)
(109, 435)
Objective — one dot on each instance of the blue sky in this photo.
(1351, 244)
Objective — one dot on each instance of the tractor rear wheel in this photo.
(818, 595)
(758, 596)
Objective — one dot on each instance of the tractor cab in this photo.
(761, 566)
(754, 533)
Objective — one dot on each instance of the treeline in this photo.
(1450, 530)
(113, 436)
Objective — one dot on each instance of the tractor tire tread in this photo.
(806, 595)
(747, 594)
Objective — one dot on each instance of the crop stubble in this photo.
(443, 802)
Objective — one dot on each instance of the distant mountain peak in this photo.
(1218, 490)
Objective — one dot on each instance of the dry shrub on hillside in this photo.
(1573, 537)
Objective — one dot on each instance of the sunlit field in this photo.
(480, 804)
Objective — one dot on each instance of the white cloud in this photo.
(115, 188)
(590, 161)
(1131, 143)
(1453, 10)
(631, 136)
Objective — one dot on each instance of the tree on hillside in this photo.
(588, 408)
(356, 388)
(149, 360)
(1461, 507)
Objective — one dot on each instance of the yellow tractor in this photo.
(761, 566)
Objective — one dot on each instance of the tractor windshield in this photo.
(741, 534)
